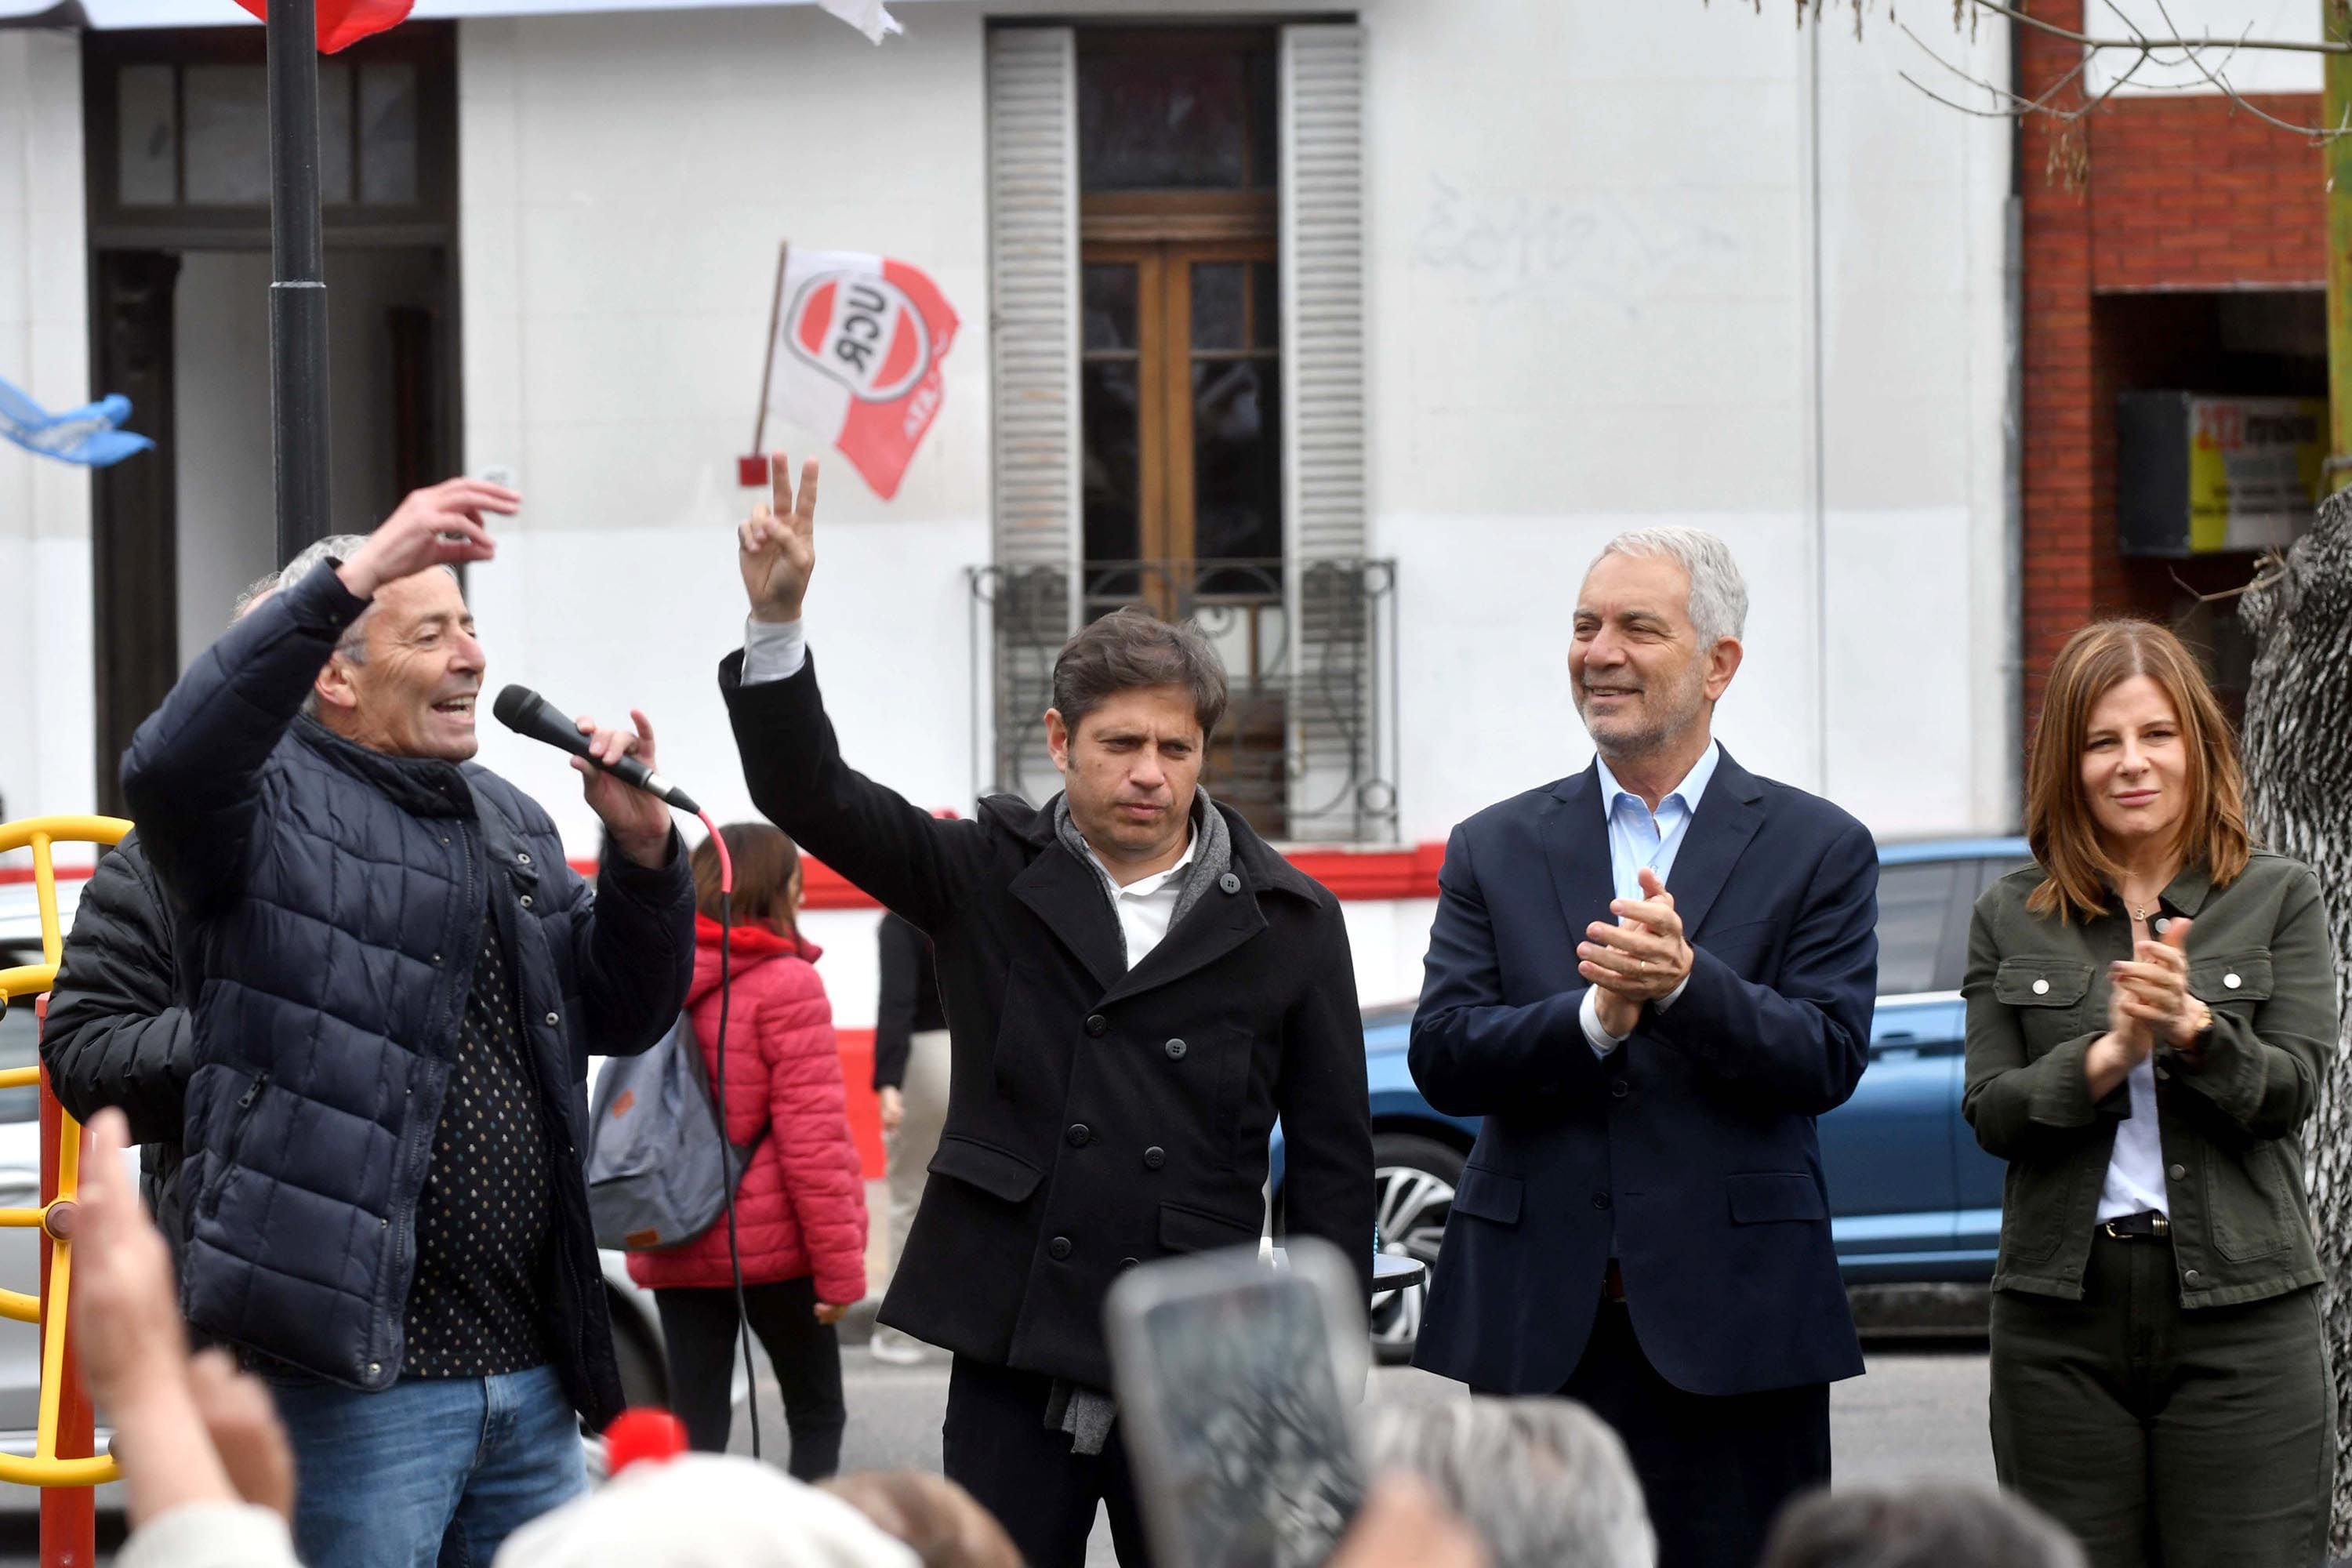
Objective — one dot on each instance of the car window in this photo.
(1914, 900)
(1993, 870)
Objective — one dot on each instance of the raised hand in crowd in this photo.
(1640, 958)
(439, 526)
(778, 543)
(204, 1457)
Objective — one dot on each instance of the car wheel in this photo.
(1413, 1180)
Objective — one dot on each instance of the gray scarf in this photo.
(1086, 1414)
(1212, 856)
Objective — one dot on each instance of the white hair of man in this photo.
(1719, 593)
(1544, 1482)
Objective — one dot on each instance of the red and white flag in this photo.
(858, 343)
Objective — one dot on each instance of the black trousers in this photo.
(2196, 1437)
(995, 1445)
(1715, 1469)
(698, 1327)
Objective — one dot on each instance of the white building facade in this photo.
(1355, 332)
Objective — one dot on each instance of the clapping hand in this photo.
(776, 548)
(1640, 958)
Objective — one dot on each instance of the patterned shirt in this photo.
(485, 1219)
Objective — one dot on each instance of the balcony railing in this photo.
(1307, 751)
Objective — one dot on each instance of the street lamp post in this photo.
(298, 287)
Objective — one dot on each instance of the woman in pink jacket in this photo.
(800, 1213)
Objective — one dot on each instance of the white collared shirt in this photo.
(1146, 906)
(1638, 841)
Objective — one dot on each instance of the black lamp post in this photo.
(297, 289)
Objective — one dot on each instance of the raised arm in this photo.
(914, 863)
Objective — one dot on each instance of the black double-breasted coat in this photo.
(1098, 1116)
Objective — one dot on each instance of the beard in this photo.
(1665, 712)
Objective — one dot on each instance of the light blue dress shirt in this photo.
(1638, 841)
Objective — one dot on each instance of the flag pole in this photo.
(768, 353)
(297, 286)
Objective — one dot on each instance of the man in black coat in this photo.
(116, 1034)
(1137, 987)
(396, 982)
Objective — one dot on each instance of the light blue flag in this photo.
(90, 434)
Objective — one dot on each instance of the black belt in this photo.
(2147, 1225)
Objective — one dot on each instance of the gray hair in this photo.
(1718, 594)
(1544, 1482)
(261, 588)
(1928, 1526)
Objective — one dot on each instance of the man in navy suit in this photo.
(1649, 979)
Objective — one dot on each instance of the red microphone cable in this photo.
(726, 1143)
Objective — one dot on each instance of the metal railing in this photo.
(1308, 748)
(65, 1420)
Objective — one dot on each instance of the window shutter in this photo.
(1033, 190)
(1339, 787)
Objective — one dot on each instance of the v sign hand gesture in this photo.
(776, 547)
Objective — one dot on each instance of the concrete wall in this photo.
(220, 323)
(45, 594)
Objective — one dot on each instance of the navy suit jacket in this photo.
(1692, 1143)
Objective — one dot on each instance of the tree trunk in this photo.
(2298, 749)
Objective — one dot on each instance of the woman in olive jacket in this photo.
(2149, 1009)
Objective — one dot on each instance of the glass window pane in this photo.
(1220, 292)
(228, 135)
(1238, 470)
(334, 132)
(1914, 901)
(147, 131)
(1110, 306)
(388, 134)
(1114, 469)
(1150, 122)
(1265, 172)
(1266, 307)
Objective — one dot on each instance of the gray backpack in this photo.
(657, 1176)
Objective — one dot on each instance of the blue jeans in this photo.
(431, 1473)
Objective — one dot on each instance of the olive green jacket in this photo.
(2227, 1117)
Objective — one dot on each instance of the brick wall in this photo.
(2184, 193)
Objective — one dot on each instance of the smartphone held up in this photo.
(1237, 1382)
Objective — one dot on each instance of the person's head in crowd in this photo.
(1917, 1527)
(1544, 1482)
(1135, 701)
(2132, 754)
(405, 677)
(705, 1510)
(943, 1522)
(1657, 629)
(767, 877)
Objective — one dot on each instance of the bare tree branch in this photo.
(2283, 46)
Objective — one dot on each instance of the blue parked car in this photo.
(1913, 1200)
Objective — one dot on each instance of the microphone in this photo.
(526, 712)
